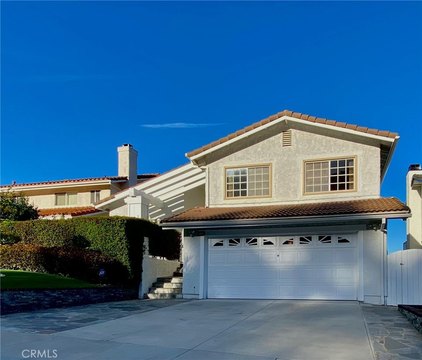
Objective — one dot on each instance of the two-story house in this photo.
(76, 197)
(286, 208)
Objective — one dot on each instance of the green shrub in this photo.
(82, 264)
(117, 237)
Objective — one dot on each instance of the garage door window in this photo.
(234, 242)
(251, 242)
(218, 243)
(324, 239)
(268, 242)
(342, 240)
(305, 240)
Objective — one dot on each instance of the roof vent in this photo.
(286, 138)
(414, 167)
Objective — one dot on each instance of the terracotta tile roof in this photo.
(379, 205)
(75, 211)
(144, 177)
(296, 115)
(52, 182)
(140, 177)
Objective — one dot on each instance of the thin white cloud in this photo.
(179, 125)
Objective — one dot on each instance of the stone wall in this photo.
(413, 318)
(29, 300)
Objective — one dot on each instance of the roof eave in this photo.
(238, 223)
(199, 155)
(389, 157)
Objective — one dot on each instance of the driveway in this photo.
(200, 330)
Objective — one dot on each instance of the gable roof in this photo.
(296, 115)
(320, 209)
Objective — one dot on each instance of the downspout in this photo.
(385, 259)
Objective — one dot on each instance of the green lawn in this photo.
(15, 279)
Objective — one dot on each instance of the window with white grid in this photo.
(248, 181)
(330, 175)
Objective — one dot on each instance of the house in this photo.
(286, 208)
(414, 201)
(76, 197)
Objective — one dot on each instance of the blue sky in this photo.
(81, 78)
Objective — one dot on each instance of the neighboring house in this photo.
(76, 197)
(287, 208)
(414, 201)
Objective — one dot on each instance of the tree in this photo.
(14, 206)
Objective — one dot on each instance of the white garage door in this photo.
(283, 267)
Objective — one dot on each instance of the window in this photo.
(324, 239)
(268, 242)
(63, 199)
(342, 240)
(95, 196)
(305, 240)
(234, 242)
(218, 243)
(251, 241)
(288, 242)
(330, 175)
(250, 181)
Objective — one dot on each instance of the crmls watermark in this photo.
(39, 354)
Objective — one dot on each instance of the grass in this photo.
(22, 280)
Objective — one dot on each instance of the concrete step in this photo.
(162, 296)
(166, 291)
(172, 285)
(167, 288)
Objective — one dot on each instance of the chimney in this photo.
(128, 163)
(414, 167)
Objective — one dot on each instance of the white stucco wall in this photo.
(191, 266)
(153, 268)
(374, 266)
(287, 168)
(119, 211)
(414, 201)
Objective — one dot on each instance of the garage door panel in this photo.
(217, 258)
(251, 257)
(344, 256)
(288, 257)
(235, 257)
(315, 270)
(242, 292)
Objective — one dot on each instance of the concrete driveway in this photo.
(210, 329)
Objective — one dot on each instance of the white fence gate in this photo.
(405, 277)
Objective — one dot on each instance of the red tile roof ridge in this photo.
(297, 115)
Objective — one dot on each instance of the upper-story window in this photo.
(330, 175)
(95, 196)
(253, 181)
(66, 199)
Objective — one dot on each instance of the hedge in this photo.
(82, 264)
(118, 237)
